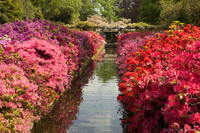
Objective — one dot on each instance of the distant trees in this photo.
(166, 11)
(149, 11)
(10, 10)
(182, 10)
(131, 9)
(58, 10)
(29, 10)
(67, 11)
(87, 9)
(71, 11)
(109, 9)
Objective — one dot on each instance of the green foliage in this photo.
(141, 25)
(182, 10)
(66, 16)
(108, 9)
(3, 18)
(149, 11)
(84, 25)
(86, 10)
(74, 5)
(29, 10)
(10, 10)
(66, 11)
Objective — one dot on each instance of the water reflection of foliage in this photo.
(106, 70)
(65, 110)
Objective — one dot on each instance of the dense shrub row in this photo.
(38, 60)
(161, 86)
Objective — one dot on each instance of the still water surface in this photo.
(91, 107)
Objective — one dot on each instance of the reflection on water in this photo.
(92, 108)
(106, 71)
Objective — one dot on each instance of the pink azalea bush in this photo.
(161, 86)
(67, 107)
(39, 60)
(78, 44)
(17, 99)
(45, 60)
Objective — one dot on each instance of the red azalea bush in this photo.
(36, 71)
(127, 44)
(161, 86)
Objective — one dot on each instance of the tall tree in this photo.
(181, 10)
(29, 10)
(87, 9)
(10, 10)
(108, 9)
(49, 8)
(149, 11)
(76, 5)
(131, 9)
(60, 10)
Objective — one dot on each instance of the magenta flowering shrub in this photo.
(79, 44)
(17, 99)
(39, 60)
(161, 86)
(45, 63)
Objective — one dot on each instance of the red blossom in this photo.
(165, 82)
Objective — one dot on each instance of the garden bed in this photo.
(39, 60)
(160, 80)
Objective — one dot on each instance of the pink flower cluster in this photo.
(67, 107)
(18, 96)
(161, 86)
(38, 63)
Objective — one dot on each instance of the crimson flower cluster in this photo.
(128, 43)
(161, 86)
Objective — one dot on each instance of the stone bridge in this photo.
(110, 46)
(111, 39)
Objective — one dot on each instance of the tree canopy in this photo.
(67, 11)
(109, 9)
(149, 11)
(72, 11)
(10, 10)
(181, 10)
(166, 11)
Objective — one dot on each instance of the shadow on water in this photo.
(91, 105)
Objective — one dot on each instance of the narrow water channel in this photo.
(90, 107)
